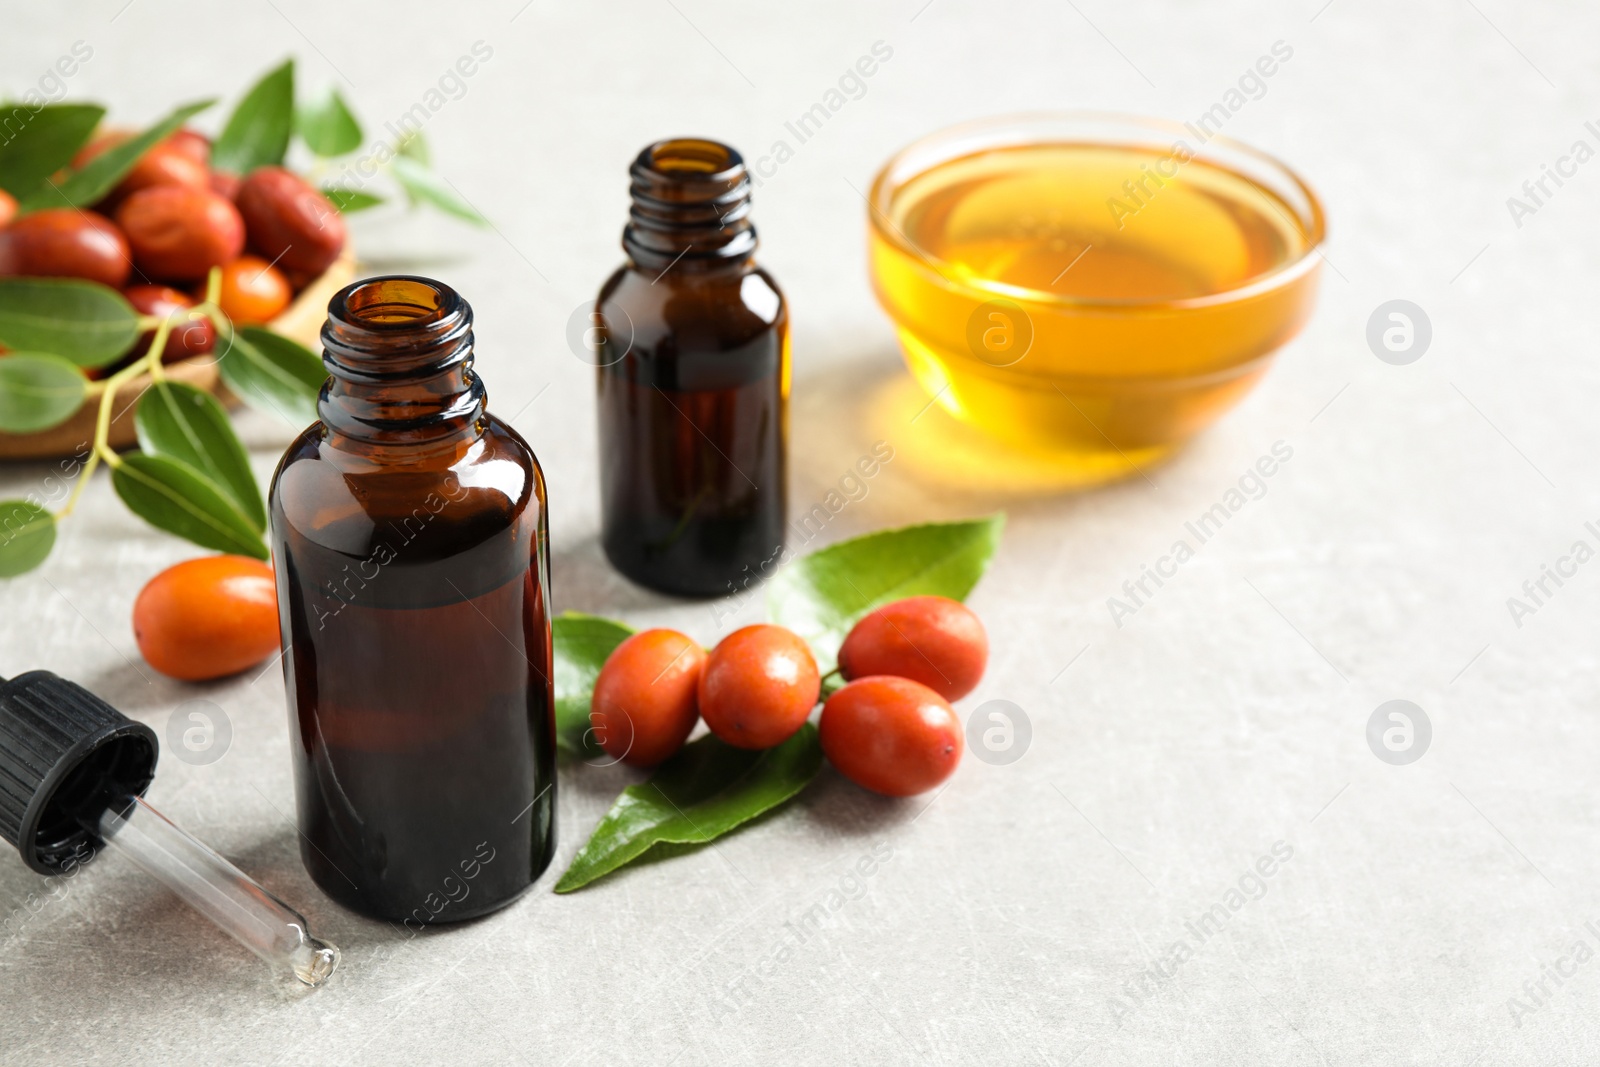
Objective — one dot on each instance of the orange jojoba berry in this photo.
(891, 735)
(253, 291)
(929, 639)
(645, 700)
(208, 617)
(759, 685)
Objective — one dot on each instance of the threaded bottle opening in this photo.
(395, 326)
(691, 201)
(399, 350)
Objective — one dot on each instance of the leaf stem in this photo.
(102, 449)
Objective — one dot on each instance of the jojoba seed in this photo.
(225, 184)
(289, 222)
(191, 143)
(178, 233)
(165, 163)
(189, 337)
(65, 243)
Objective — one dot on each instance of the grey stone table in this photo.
(1433, 913)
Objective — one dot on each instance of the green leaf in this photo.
(414, 146)
(89, 183)
(704, 791)
(349, 201)
(84, 322)
(187, 424)
(424, 186)
(172, 496)
(582, 643)
(27, 533)
(257, 133)
(38, 391)
(327, 126)
(274, 374)
(822, 595)
(42, 142)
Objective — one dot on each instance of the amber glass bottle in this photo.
(695, 383)
(409, 537)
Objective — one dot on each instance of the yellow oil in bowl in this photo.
(1091, 289)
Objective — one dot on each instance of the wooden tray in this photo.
(301, 321)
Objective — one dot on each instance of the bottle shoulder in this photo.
(676, 293)
(344, 500)
(512, 448)
(695, 331)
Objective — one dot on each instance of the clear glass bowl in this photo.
(1208, 264)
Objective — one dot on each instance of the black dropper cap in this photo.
(65, 756)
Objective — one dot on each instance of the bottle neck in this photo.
(691, 207)
(399, 352)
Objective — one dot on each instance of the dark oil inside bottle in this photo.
(409, 538)
(692, 477)
(693, 410)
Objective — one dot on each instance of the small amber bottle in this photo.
(409, 538)
(694, 387)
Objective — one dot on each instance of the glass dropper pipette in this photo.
(73, 771)
(217, 889)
